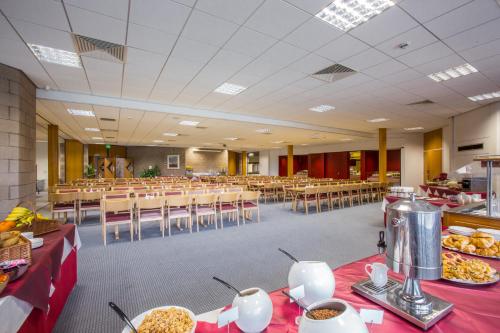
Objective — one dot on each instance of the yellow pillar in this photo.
(382, 155)
(73, 160)
(53, 155)
(290, 161)
(244, 163)
(231, 163)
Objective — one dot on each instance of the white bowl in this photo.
(349, 321)
(138, 320)
(317, 278)
(255, 310)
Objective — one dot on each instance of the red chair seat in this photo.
(179, 212)
(226, 207)
(118, 217)
(249, 204)
(63, 206)
(323, 196)
(205, 210)
(88, 205)
(151, 214)
(309, 197)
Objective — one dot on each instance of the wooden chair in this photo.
(364, 193)
(116, 212)
(310, 195)
(179, 207)
(286, 193)
(205, 205)
(249, 201)
(89, 201)
(116, 195)
(64, 203)
(335, 196)
(323, 195)
(356, 193)
(151, 209)
(228, 204)
(121, 188)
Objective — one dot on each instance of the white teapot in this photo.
(317, 278)
(255, 310)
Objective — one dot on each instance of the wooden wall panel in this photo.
(316, 165)
(394, 160)
(73, 160)
(231, 163)
(337, 165)
(433, 154)
(114, 151)
(53, 155)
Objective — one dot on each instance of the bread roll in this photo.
(482, 240)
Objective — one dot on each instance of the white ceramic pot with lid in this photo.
(255, 310)
(317, 278)
(346, 321)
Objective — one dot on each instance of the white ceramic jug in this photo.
(255, 310)
(317, 278)
(378, 273)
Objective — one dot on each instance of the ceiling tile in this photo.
(310, 6)
(95, 25)
(463, 18)
(6, 30)
(416, 38)
(484, 51)
(249, 42)
(37, 34)
(276, 18)
(114, 8)
(208, 29)
(150, 39)
(365, 59)
(236, 11)
(322, 32)
(476, 36)
(342, 48)
(194, 51)
(384, 69)
(425, 10)
(143, 63)
(406, 75)
(68, 78)
(386, 25)
(282, 54)
(105, 77)
(428, 53)
(440, 64)
(472, 85)
(310, 64)
(44, 12)
(163, 15)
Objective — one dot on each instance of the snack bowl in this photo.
(316, 277)
(14, 268)
(255, 310)
(347, 320)
(137, 321)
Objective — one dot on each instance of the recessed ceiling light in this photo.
(189, 123)
(97, 138)
(414, 128)
(346, 139)
(452, 73)
(278, 142)
(92, 129)
(482, 97)
(55, 56)
(377, 120)
(84, 113)
(347, 14)
(231, 139)
(229, 89)
(276, 147)
(304, 144)
(263, 131)
(322, 108)
(158, 141)
(170, 134)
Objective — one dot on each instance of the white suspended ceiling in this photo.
(180, 51)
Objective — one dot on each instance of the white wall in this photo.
(42, 162)
(412, 155)
(264, 162)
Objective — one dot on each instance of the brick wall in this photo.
(143, 157)
(17, 139)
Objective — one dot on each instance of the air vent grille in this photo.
(107, 119)
(334, 72)
(201, 127)
(99, 49)
(424, 102)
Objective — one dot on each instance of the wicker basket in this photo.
(42, 227)
(21, 250)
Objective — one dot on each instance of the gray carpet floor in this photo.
(178, 269)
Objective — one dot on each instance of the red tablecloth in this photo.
(439, 203)
(441, 190)
(34, 286)
(476, 309)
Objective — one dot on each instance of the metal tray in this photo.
(474, 284)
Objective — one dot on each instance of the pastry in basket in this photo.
(9, 238)
(482, 240)
(455, 267)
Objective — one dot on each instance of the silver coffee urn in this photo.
(413, 236)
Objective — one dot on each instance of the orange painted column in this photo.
(290, 161)
(382, 155)
(53, 154)
(244, 163)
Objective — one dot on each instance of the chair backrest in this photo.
(172, 192)
(234, 189)
(214, 190)
(195, 191)
(150, 202)
(139, 188)
(63, 197)
(117, 205)
(178, 200)
(250, 196)
(311, 190)
(90, 196)
(229, 197)
(120, 188)
(146, 193)
(116, 195)
(67, 190)
(205, 199)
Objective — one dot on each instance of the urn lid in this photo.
(411, 205)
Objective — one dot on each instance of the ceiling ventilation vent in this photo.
(334, 72)
(201, 127)
(107, 119)
(99, 49)
(207, 150)
(424, 102)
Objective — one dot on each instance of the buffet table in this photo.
(476, 309)
(34, 301)
(443, 191)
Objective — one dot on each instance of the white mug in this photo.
(378, 273)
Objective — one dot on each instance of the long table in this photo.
(476, 309)
(34, 302)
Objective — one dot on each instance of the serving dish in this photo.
(467, 272)
(464, 252)
(140, 318)
(494, 232)
(472, 284)
(461, 230)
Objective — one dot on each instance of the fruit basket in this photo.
(26, 220)
(21, 249)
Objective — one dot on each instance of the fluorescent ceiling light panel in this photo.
(97, 138)
(278, 142)
(229, 89)
(414, 128)
(158, 141)
(83, 113)
(55, 56)
(264, 131)
(348, 14)
(189, 123)
(170, 134)
(92, 129)
(231, 139)
(377, 120)
(482, 97)
(322, 108)
(346, 139)
(452, 73)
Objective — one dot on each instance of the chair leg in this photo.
(139, 228)
(132, 231)
(258, 215)
(238, 218)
